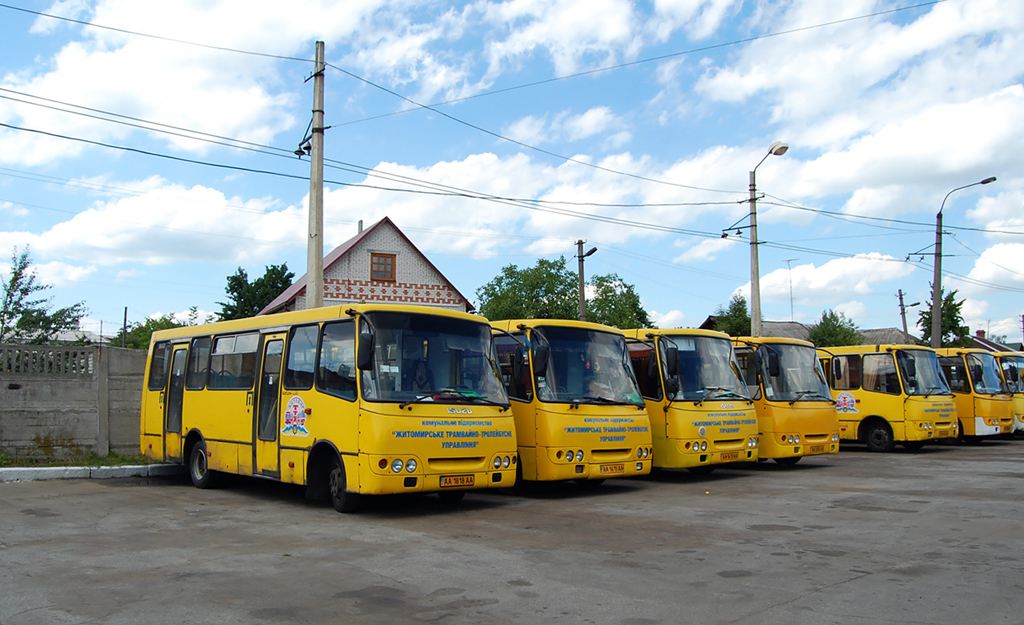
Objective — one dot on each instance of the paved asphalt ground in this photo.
(935, 536)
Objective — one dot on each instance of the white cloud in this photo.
(706, 249)
(853, 310)
(832, 283)
(700, 18)
(564, 126)
(60, 274)
(670, 319)
(1000, 265)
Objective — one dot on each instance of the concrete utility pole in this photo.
(777, 148)
(583, 296)
(903, 310)
(315, 246)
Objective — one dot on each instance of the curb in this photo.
(31, 474)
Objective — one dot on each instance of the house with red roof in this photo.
(380, 264)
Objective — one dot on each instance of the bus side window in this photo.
(233, 361)
(298, 374)
(515, 379)
(336, 374)
(880, 374)
(646, 371)
(850, 373)
(953, 369)
(198, 364)
(158, 366)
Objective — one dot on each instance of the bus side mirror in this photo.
(672, 361)
(911, 369)
(773, 364)
(540, 359)
(364, 356)
(1012, 374)
(672, 386)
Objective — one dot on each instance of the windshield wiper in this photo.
(592, 399)
(716, 392)
(801, 394)
(454, 394)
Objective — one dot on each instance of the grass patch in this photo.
(76, 460)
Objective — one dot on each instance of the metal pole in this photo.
(755, 272)
(583, 298)
(903, 312)
(315, 246)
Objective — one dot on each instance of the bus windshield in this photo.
(927, 378)
(1016, 365)
(430, 358)
(800, 377)
(985, 374)
(707, 369)
(584, 366)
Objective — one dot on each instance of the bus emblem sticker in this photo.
(295, 418)
(846, 402)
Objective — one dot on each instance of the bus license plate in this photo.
(609, 469)
(456, 480)
(729, 456)
(817, 449)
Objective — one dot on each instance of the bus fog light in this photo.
(410, 466)
(579, 456)
(497, 462)
(639, 466)
(505, 462)
(397, 465)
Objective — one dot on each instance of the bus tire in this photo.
(789, 461)
(912, 445)
(878, 437)
(341, 499)
(451, 497)
(199, 467)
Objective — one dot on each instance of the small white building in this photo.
(380, 264)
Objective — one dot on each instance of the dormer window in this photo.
(382, 267)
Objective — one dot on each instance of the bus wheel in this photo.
(912, 445)
(878, 437)
(342, 500)
(451, 496)
(199, 468)
(788, 462)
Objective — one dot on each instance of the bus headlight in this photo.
(790, 440)
(497, 462)
(639, 452)
(397, 465)
(410, 466)
(579, 456)
(505, 462)
(569, 455)
(703, 445)
(646, 452)
(796, 440)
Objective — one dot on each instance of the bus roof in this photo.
(644, 333)
(509, 325)
(306, 316)
(864, 349)
(777, 340)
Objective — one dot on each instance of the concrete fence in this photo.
(57, 401)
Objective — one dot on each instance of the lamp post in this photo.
(776, 149)
(583, 297)
(937, 265)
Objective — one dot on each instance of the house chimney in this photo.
(360, 225)
(980, 334)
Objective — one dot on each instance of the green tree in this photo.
(616, 304)
(954, 332)
(834, 330)
(734, 320)
(247, 299)
(548, 290)
(26, 316)
(139, 333)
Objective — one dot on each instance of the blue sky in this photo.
(649, 113)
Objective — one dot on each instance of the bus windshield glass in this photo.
(584, 366)
(430, 358)
(927, 378)
(707, 369)
(985, 374)
(1016, 365)
(800, 377)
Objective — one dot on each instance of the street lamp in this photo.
(583, 297)
(937, 265)
(776, 149)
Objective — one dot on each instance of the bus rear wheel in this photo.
(878, 437)
(341, 499)
(199, 467)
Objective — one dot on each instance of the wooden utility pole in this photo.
(315, 245)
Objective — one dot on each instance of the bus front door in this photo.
(266, 457)
(172, 407)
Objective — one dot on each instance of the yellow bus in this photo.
(1012, 364)
(346, 400)
(701, 416)
(577, 408)
(983, 404)
(888, 394)
(796, 414)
